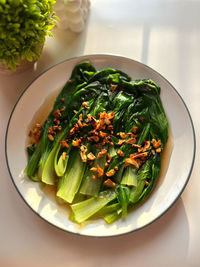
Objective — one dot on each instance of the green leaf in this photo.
(24, 24)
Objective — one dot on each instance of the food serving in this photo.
(101, 145)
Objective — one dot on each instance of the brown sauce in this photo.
(166, 155)
(42, 113)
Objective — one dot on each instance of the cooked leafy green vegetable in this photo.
(101, 144)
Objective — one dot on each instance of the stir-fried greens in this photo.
(101, 144)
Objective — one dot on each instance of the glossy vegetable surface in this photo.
(102, 143)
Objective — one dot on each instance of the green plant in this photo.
(24, 24)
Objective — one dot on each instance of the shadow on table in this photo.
(136, 243)
(169, 234)
(64, 46)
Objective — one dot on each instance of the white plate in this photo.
(171, 182)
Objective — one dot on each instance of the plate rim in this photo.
(82, 58)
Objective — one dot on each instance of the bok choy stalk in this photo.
(90, 185)
(71, 181)
(80, 75)
(87, 208)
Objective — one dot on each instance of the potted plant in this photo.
(24, 24)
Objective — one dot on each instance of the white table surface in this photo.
(164, 34)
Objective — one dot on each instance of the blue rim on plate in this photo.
(88, 58)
